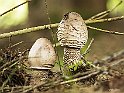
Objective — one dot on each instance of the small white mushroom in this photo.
(42, 54)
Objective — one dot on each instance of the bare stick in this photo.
(104, 13)
(106, 31)
(86, 51)
(116, 62)
(104, 20)
(113, 57)
(81, 78)
(14, 8)
(27, 30)
(16, 44)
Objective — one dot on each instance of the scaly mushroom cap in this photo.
(72, 31)
(42, 54)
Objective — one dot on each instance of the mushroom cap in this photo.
(72, 31)
(42, 54)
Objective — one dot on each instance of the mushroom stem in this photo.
(71, 56)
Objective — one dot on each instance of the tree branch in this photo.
(49, 26)
(104, 20)
(106, 31)
(27, 30)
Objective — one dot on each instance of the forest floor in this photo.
(102, 76)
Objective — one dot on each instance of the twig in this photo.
(113, 57)
(33, 87)
(116, 62)
(81, 78)
(14, 8)
(5, 66)
(7, 80)
(104, 20)
(86, 51)
(16, 44)
(27, 30)
(104, 13)
(106, 31)
(80, 74)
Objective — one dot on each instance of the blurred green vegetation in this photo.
(15, 17)
(119, 10)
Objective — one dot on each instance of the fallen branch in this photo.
(27, 30)
(113, 57)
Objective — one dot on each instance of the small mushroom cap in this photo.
(42, 54)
